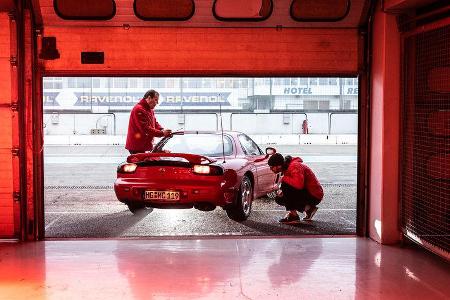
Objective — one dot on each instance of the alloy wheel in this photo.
(246, 195)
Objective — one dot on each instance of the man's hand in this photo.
(167, 132)
(275, 194)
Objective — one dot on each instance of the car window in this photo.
(202, 144)
(249, 146)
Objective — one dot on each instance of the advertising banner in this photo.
(67, 98)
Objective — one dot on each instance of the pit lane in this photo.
(80, 203)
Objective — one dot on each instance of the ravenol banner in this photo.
(67, 98)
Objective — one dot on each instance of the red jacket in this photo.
(142, 128)
(300, 176)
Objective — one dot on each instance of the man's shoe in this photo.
(310, 213)
(290, 219)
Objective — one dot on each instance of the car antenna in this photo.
(221, 129)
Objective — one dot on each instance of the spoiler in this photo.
(191, 158)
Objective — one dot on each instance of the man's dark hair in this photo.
(151, 93)
(276, 160)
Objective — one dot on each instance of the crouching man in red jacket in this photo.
(143, 127)
(300, 189)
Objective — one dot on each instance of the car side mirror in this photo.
(270, 151)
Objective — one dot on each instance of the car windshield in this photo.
(207, 144)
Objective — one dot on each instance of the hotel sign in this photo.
(320, 91)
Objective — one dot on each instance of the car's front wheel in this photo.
(135, 207)
(240, 211)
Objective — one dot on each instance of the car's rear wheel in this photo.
(135, 207)
(240, 211)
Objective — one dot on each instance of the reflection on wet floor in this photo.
(220, 268)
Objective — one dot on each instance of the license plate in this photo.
(162, 195)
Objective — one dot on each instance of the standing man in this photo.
(143, 127)
(300, 189)
(305, 128)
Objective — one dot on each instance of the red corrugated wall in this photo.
(9, 170)
(207, 51)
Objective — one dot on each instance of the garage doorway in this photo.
(85, 126)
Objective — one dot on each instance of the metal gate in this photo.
(425, 165)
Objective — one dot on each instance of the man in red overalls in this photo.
(143, 127)
(300, 189)
(305, 128)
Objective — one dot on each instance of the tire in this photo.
(135, 207)
(241, 210)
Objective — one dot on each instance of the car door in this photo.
(264, 178)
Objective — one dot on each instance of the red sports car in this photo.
(197, 169)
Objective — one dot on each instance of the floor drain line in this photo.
(78, 187)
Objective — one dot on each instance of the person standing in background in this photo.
(305, 128)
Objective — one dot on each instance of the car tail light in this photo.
(127, 168)
(201, 169)
(207, 170)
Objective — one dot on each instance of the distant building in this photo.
(187, 93)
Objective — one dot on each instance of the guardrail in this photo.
(268, 139)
